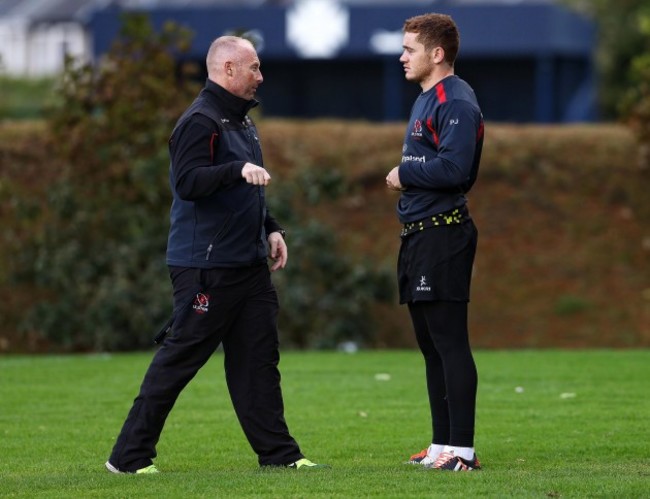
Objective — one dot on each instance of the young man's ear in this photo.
(438, 55)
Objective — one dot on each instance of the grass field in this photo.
(549, 424)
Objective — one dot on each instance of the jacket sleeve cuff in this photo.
(271, 224)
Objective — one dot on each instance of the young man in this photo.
(220, 237)
(440, 161)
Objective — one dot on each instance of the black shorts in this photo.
(435, 264)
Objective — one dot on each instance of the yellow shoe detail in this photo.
(148, 470)
(306, 463)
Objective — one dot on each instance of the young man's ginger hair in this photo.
(435, 30)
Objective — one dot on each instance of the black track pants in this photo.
(441, 331)
(237, 307)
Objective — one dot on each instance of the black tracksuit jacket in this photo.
(217, 218)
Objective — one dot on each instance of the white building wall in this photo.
(49, 44)
(40, 50)
(13, 47)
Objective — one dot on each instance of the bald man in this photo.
(220, 240)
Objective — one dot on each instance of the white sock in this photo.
(434, 451)
(463, 452)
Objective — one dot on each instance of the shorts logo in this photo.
(423, 285)
(201, 303)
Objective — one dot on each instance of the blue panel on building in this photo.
(527, 62)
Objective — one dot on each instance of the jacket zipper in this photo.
(216, 236)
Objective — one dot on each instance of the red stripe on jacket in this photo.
(214, 137)
(436, 139)
(440, 91)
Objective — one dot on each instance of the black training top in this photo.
(441, 151)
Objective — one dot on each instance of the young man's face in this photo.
(418, 64)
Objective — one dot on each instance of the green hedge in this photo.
(562, 262)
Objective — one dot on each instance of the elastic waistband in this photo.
(451, 217)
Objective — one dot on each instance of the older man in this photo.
(220, 237)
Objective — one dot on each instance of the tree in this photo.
(636, 105)
(620, 40)
(100, 255)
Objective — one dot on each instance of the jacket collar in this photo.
(233, 105)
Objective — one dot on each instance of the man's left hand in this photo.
(392, 180)
(278, 251)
